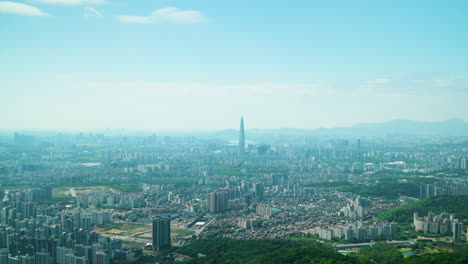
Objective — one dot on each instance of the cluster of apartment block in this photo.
(443, 224)
(229, 198)
(125, 201)
(49, 234)
(442, 188)
(356, 232)
(356, 209)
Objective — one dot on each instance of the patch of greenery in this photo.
(458, 256)
(176, 184)
(231, 172)
(329, 184)
(303, 254)
(387, 190)
(126, 188)
(268, 170)
(182, 232)
(120, 226)
(129, 244)
(58, 199)
(263, 251)
(280, 251)
(139, 260)
(380, 253)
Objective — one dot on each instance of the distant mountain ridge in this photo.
(452, 127)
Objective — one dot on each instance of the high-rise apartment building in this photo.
(161, 233)
(218, 200)
(457, 229)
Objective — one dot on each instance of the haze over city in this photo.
(198, 65)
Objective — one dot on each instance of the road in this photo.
(198, 231)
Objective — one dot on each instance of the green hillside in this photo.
(459, 256)
(302, 251)
(263, 251)
(390, 190)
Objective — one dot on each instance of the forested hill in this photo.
(439, 204)
(263, 251)
(302, 251)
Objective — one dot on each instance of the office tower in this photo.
(241, 138)
(161, 233)
(259, 190)
(277, 179)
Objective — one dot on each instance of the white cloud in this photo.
(20, 9)
(176, 15)
(72, 2)
(91, 12)
(136, 19)
(167, 14)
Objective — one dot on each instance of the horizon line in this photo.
(198, 130)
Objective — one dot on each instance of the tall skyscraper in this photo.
(161, 233)
(241, 138)
(259, 190)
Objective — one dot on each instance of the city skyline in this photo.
(448, 127)
(187, 64)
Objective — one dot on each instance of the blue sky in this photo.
(201, 64)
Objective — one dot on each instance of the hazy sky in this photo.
(201, 64)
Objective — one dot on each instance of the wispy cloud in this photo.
(91, 12)
(71, 2)
(136, 19)
(167, 14)
(20, 9)
(404, 84)
(151, 89)
(176, 15)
